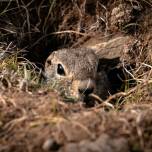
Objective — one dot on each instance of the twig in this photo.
(117, 95)
(59, 32)
(47, 17)
(100, 101)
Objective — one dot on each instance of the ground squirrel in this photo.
(76, 72)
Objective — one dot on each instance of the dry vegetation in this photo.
(33, 117)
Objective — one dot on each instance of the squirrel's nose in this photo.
(86, 87)
(86, 91)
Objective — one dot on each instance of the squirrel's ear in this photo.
(107, 64)
(53, 53)
(50, 57)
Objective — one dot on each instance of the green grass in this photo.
(15, 72)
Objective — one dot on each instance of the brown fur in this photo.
(80, 66)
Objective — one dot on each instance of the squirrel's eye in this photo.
(60, 70)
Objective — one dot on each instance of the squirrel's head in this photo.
(73, 71)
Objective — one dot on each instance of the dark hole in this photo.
(119, 79)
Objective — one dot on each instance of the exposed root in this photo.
(10, 125)
(60, 32)
(117, 95)
(100, 101)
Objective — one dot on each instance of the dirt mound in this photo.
(41, 122)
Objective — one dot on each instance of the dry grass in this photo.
(29, 111)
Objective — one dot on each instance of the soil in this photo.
(40, 120)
